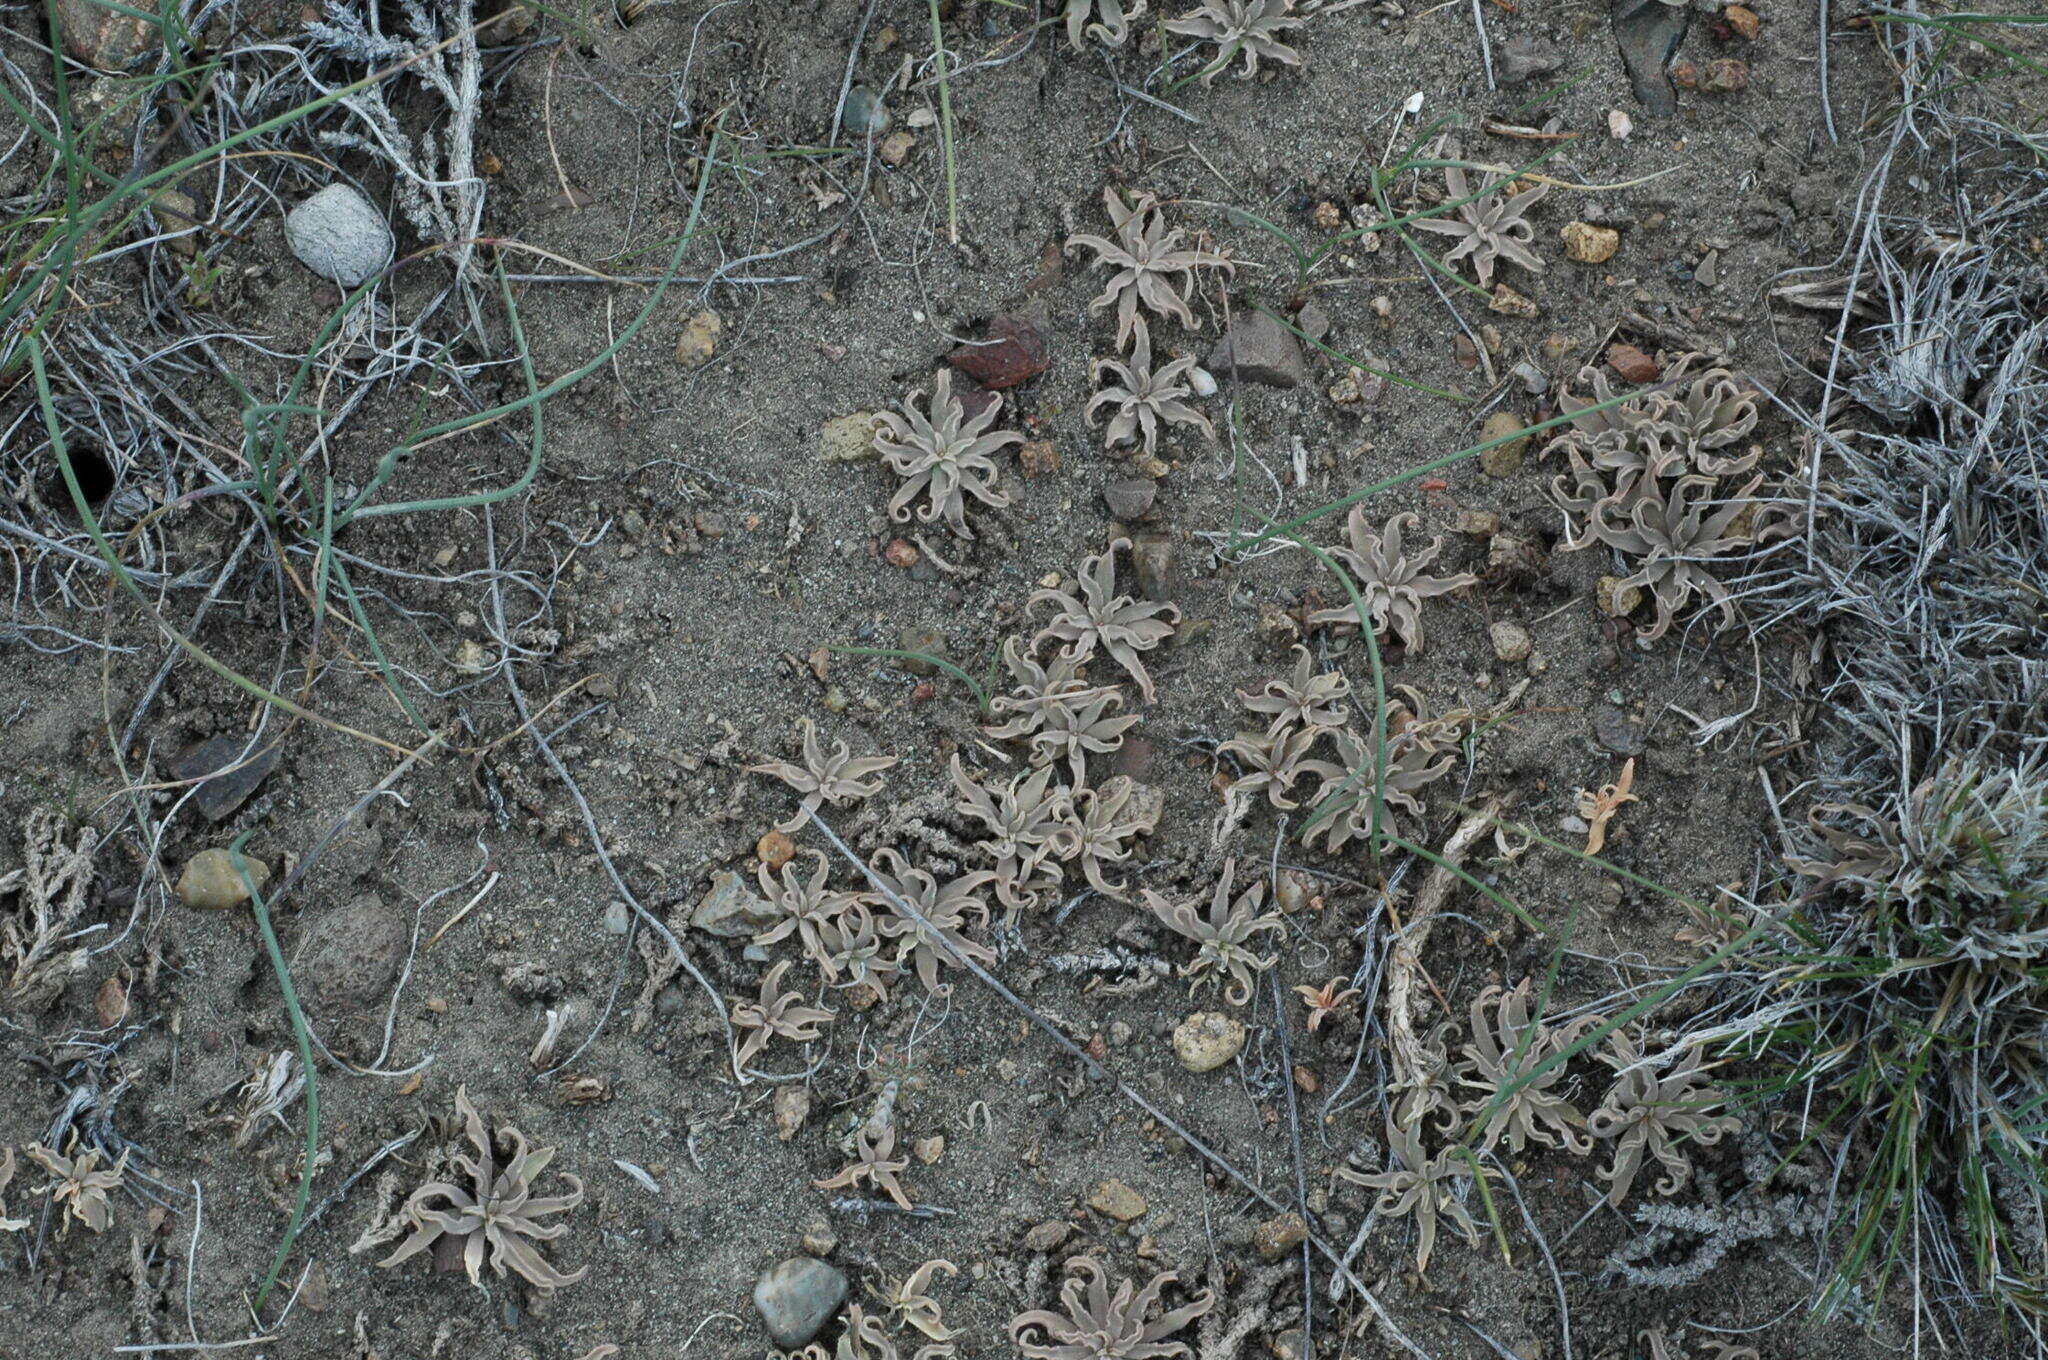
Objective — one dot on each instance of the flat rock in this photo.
(228, 771)
(848, 438)
(1013, 351)
(732, 910)
(350, 955)
(797, 1298)
(1152, 554)
(1614, 729)
(1261, 350)
(1648, 34)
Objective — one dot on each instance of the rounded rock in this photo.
(212, 882)
(1585, 243)
(339, 235)
(1130, 498)
(1511, 641)
(797, 1298)
(1206, 1040)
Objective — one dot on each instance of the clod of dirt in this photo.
(1585, 243)
(1015, 351)
(1257, 348)
(699, 340)
(732, 910)
(1130, 498)
(211, 881)
(227, 776)
(797, 1298)
(848, 438)
(1206, 1040)
(1503, 459)
(1276, 1237)
(1617, 731)
(347, 959)
(339, 235)
(1117, 1200)
(1521, 59)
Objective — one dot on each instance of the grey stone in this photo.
(1130, 498)
(1313, 320)
(864, 112)
(732, 910)
(797, 1298)
(1048, 1236)
(339, 235)
(1511, 641)
(618, 918)
(1261, 350)
(349, 956)
(930, 641)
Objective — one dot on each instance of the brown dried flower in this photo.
(1146, 398)
(1120, 624)
(776, 1013)
(1303, 699)
(80, 1189)
(1095, 831)
(1332, 998)
(1506, 1046)
(874, 1164)
(942, 455)
(496, 1214)
(1106, 21)
(910, 1303)
(1272, 762)
(1390, 582)
(807, 907)
(1420, 1185)
(1099, 1325)
(946, 908)
(1225, 933)
(836, 779)
(1491, 227)
(1145, 257)
(1026, 821)
(856, 944)
(1248, 28)
(1648, 1113)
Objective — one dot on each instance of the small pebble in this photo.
(895, 148)
(1632, 364)
(1206, 1040)
(864, 112)
(212, 882)
(1585, 243)
(774, 849)
(1048, 1236)
(618, 918)
(1508, 302)
(1117, 1200)
(1276, 1237)
(1511, 641)
(848, 438)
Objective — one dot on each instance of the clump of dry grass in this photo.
(49, 892)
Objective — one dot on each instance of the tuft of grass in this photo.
(303, 1035)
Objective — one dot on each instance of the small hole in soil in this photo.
(95, 477)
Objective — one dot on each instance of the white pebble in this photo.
(339, 235)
